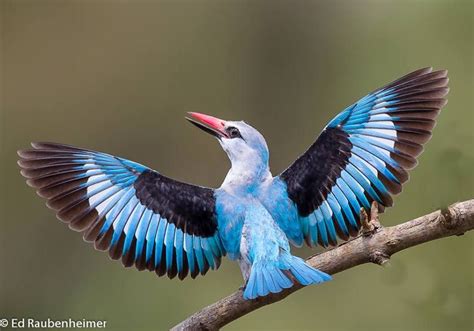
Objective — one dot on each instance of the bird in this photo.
(156, 223)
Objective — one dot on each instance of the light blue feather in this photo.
(198, 252)
(169, 244)
(150, 236)
(178, 244)
(188, 247)
(159, 241)
(140, 234)
(131, 227)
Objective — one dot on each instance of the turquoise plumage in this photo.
(169, 227)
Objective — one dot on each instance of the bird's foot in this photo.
(370, 225)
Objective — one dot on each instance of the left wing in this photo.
(361, 156)
(138, 215)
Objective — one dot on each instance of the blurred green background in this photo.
(118, 76)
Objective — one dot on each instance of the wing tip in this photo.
(22, 153)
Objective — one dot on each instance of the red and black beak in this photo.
(212, 125)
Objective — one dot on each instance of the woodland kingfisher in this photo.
(154, 222)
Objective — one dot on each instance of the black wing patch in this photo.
(190, 208)
(311, 176)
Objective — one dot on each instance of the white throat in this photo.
(246, 174)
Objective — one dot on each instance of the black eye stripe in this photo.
(233, 132)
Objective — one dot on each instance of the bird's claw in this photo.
(370, 225)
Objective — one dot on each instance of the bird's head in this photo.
(241, 142)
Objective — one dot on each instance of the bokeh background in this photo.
(118, 76)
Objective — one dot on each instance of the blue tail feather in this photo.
(306, 274)
(267, 278)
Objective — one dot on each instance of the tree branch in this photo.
(375, 247)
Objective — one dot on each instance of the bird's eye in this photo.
(233, 132)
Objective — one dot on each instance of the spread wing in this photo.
(363, 155)
(137, 215)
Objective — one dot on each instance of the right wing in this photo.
(361, 156)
